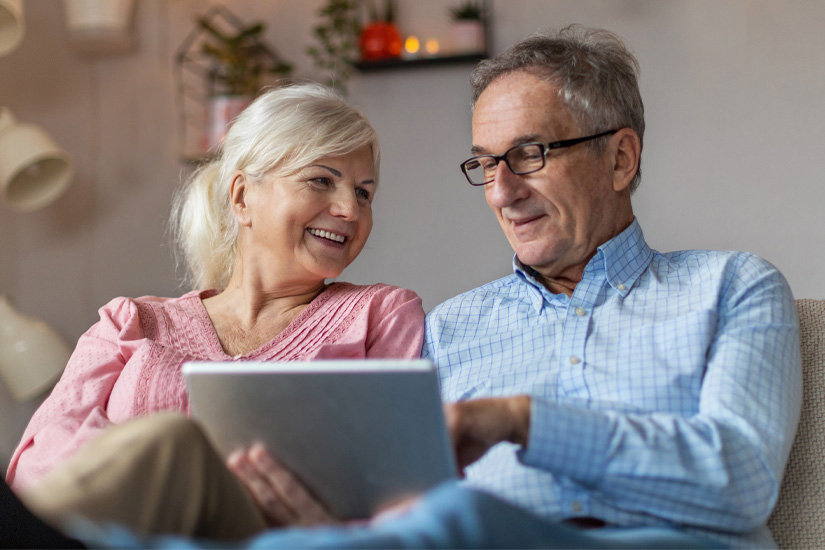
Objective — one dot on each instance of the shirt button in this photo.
(576, 506)
(574, 360)
(580, 311)
(620, 286)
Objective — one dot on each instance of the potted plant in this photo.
(337, 36)
(467, 28)
(380, 38)
(240, 64)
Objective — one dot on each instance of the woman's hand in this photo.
(478, 424)
(282, 499)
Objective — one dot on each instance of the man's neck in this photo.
(564, 281)
(565, 284)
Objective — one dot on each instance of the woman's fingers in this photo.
(281, 497)
(274, 509)
(306, 509)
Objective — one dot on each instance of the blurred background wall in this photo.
(733, 158)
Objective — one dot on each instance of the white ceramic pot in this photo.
(467, 37)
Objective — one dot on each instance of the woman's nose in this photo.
(345, 205)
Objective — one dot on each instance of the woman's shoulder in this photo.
(126, 305)
(123, 312)
(378, 292)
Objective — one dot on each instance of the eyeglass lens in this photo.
(522, 159)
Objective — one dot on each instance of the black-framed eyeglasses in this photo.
(521, 159)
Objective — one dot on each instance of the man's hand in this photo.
(478, 424)
(282, 499)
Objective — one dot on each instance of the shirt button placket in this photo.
(572, 381)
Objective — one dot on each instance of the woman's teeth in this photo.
(328, 235)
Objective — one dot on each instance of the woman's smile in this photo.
(330, 236)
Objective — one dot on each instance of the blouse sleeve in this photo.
(396, 327)
(75, 411)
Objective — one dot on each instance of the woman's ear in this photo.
(238, 196)
(628, 153)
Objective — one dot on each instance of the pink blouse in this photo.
(129, 363)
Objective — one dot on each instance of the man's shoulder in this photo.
(732, 262)
(730, 272)
(508, 286)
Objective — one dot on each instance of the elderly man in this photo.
(605, 395)
(603, 382)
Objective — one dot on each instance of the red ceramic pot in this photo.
(380, 40)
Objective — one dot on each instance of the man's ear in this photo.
(238, 195)
(628, 153)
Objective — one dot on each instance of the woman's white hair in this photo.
(282, 131)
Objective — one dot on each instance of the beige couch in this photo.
(799, 518)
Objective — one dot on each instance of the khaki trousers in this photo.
(154, 475)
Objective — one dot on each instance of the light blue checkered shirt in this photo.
(666, 390)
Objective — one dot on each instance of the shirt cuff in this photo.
(567, 441)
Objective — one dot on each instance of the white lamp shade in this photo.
(100, 26)
(34, 171)
(11, 25)
(32, 354)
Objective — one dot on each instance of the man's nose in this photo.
(506, 187)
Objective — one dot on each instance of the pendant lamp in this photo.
(100, 27)
(34, 170)
(11, 25)
(32, 354)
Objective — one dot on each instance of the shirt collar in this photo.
(621, 260)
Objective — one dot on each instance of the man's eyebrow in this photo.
(520, 140)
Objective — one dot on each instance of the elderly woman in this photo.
(286, 206)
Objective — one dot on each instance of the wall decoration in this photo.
(220, 67)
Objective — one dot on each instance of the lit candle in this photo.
(411, 46)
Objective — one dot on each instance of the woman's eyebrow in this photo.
(338, 174)
(335, 172)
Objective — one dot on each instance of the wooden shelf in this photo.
(431, 61)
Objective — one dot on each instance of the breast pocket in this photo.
(503, 363)
(659, 365)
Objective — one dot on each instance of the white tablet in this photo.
(361, 434)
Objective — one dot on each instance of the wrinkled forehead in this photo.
(519, 107)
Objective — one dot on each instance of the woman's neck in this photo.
(246, 315)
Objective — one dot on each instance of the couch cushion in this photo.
(798, 521)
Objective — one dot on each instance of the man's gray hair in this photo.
(594, 71)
